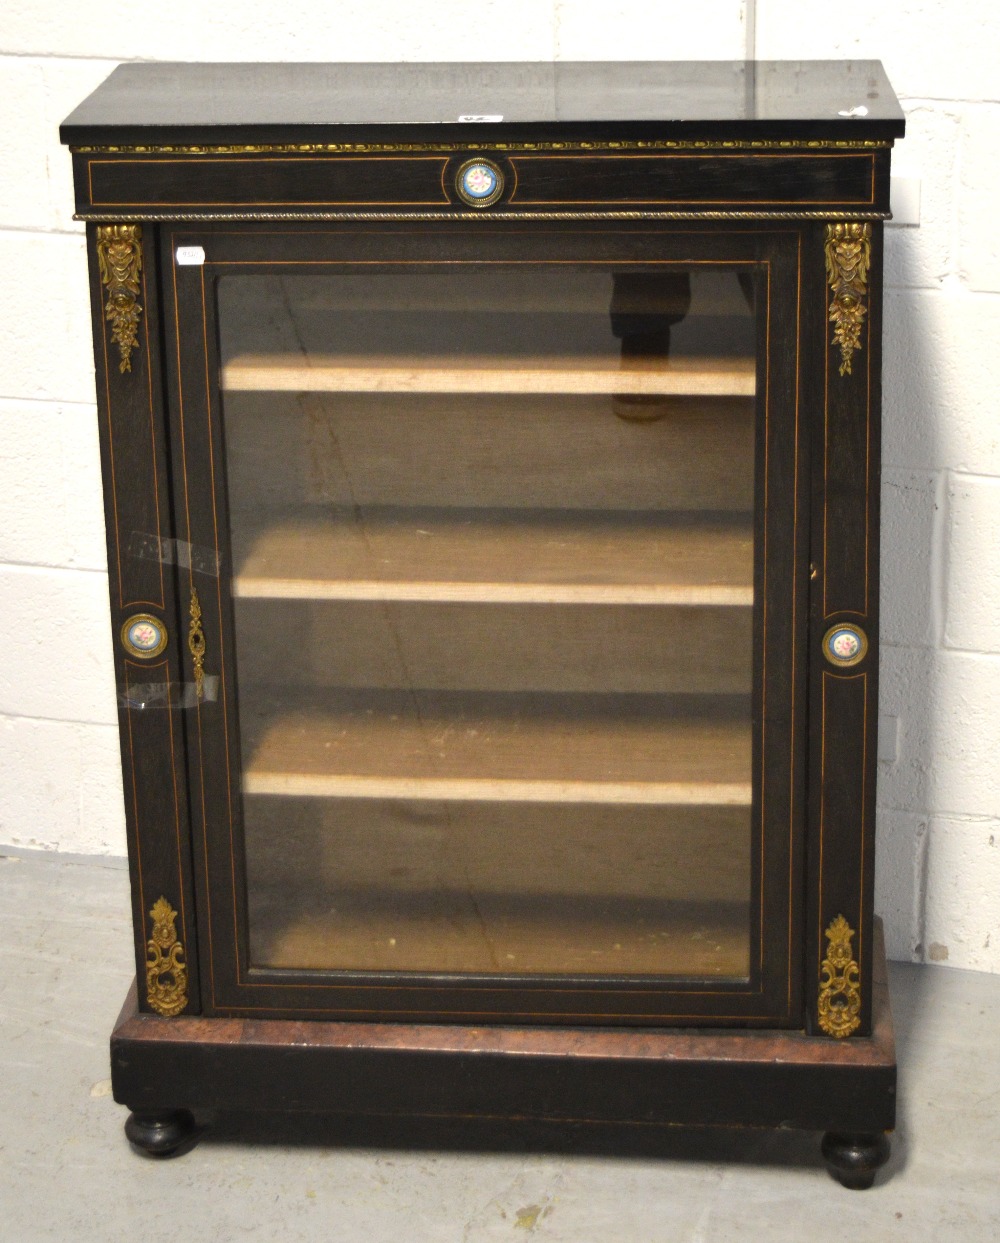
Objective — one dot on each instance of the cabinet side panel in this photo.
(844, 632)
(142, 556)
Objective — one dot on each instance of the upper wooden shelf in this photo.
(499, 747)
(710, 377)
(496, 555)
(269, 346)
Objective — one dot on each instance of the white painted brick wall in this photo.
(972, 587)
(62, 788)
(937, 876)
(38, 93)
(909, 500)
(978, 243)
(50, 623)
(49, 450)
(637, 30)
(963, 874)
(44, 298)
(930, 153)
(907, 681)
(372, 30)
(899, 867)
(939, 379)
(931, 49)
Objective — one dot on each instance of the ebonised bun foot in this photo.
(161, 1134)
(852, 1159)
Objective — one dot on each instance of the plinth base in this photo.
(620, 1076)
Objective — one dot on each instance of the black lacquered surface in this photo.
(221, 103)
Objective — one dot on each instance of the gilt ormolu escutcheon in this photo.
(840, 983)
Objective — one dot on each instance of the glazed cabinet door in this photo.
(495, 607)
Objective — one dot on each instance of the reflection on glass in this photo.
(493, 575)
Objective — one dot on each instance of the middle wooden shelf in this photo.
(495, 555)
(517, 747)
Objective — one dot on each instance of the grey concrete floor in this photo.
(67, 1172)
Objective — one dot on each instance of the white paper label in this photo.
(190, 256)
(472, 116)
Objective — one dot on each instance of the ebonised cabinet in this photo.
(492, 460)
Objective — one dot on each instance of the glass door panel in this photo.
(493, 587)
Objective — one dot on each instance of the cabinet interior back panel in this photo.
(409, 886)
(512, 452)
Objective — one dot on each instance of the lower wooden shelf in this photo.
(689, 940)
(642, 1077)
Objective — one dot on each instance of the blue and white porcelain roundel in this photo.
(144, 636)
(480, 182)
(845, 645)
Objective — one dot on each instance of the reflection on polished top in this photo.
(259, 103)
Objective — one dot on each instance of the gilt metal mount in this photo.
(119, 260)
(848, 257)
(196, 645)
(840, 983)
(166, 966)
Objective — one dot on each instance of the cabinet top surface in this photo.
(176, 104)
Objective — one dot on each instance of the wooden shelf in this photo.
(276, 348)
(512, 747)
(327, 373)
(448, 934)
(494, 555)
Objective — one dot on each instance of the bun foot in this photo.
(853, 1159)
(161, 1134)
